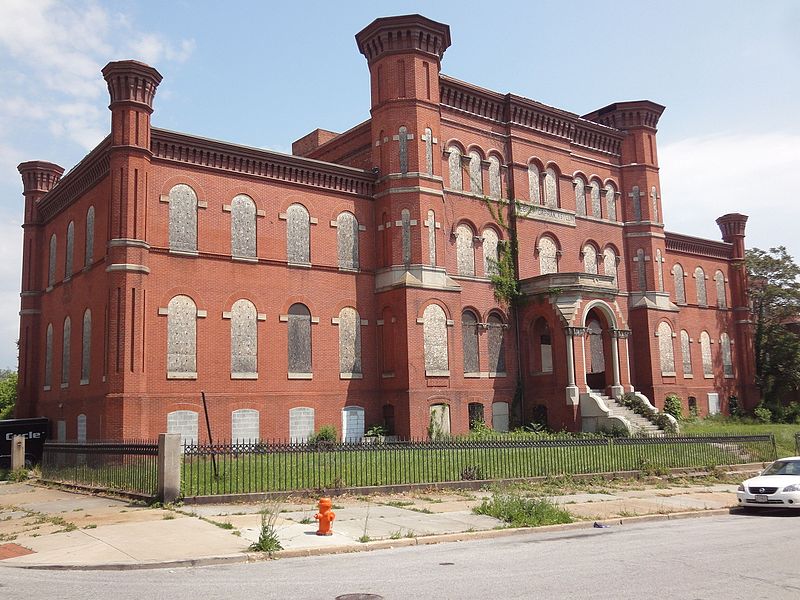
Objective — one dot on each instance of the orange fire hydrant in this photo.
(325, 516)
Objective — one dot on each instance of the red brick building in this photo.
(349, 283)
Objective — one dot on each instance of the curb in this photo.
(429, 540)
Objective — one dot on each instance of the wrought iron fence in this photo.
(130, 467)
(237, 468)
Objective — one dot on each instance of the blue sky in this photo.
(264, 74)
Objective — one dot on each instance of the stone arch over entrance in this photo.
(601, 357)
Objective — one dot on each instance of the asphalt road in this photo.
(736, 556)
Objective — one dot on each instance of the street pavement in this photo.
(43, 527)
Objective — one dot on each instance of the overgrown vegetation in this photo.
(518, 511)
(726, 425)
(327, 434)
(268, 536)
(673, 406)
(8, 393)
(640, 407)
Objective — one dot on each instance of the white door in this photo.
(439, 420)
(500, 416)
(713, 403)
(352, 424)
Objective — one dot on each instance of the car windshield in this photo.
(783, 467)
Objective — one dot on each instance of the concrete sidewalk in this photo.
(51, 528)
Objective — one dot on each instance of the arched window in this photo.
(469, 339)
(245, 426)
(454, 167)
(686, 353)
(680, 290)
(719, 283)
(48, 357)
(181, 338)
(405, 219)
(301, 424)
(541, 347)
(182, 219)
(660, 270)
(243, 227)
(550, 188)
(439, 423)
(465, 250)
(490, 252)
(352, 424)
(580, 196)
(594, 188)
(349, 343)
(183, 422)
(548, 256)
(69, 255)
(299, 339)
(86, 347)
(497, 347)
(534, 184)
(347, 241)
(495, 186)
(610, 263)
(65, 352)
(434, 335)
(244, 340)
(81, 428)
(727, 358)
(475, 173)
(298, 235)
(700, 282)
(705, 351)
(589, 259)
(475, 412)
(51, 265)
(88, 256)
(665, 349)
(611, 202)
(431, 238)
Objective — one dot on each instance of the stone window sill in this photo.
(299, 265)
(300, 375)
(176, 375)
(499, 374)
(688, 376)
(349, 269)
(668, 373)
(188, 253)
(472, 375)
(708, 376)
(84, 382)
(351, 376)
(46, 388)
(437, 373)
(64, 386)
(247, 259)
(244, 375)
(388, 375)
(728, 376)
(540, 373)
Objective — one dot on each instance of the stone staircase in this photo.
(641, 425)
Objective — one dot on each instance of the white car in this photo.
(778, 486)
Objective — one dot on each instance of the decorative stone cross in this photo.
(635, 194)
(654, 197)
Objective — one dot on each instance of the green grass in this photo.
(784, 434)
(519, 511)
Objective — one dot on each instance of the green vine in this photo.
(504, 280)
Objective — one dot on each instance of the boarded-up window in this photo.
(465, 250)
(89, 254)
(352, 424)
(349, 342)
(439, 424)
(497, 348)
(469, 339)
(636, 201)
(245, 426)
(580, 196)
(86, 347)
(51, 265)
(428, 151)
(244, 339)
(475, 173)
(301, 424)
(299, 339)
(641, 272)
(548, 252)
(680, 290)
(48, 357)
(665, 348)
(69, 255)
(610, 263)
(719, 283)
(81, 428)
(243, 227)
(541, 347)
(298, 235)
(550, 188)
(490, 252)
(534, 184)
(700, 282)
(589, 259)
(495, 186)
(500, 417)
(182, 219)
(727, 358)
(597, 360)
(660, 270)
(686, 352)
(454, 167)
(611, 202)
(181, 337)
(594, 188)
(405, 220)
(347, 240)
(65, 351)
(431, 222)
(705, 350)
(183, 422)
(402, 141)
(435, 340)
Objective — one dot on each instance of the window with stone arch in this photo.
(244, 340)
(665, 348)
(465, 250)
(534, 183)
(610, 263)
(680, 289)
(181, 338)
(349, 343)
(183, 422)
(490, 256)
(686, 352)
(700, 283)
(299, 340)
(347, 241)
(434, 336)
(719, 284)
(611, 201)
(69, 255)
(495, 183)
(88, 256)
(182, 219)
(245, 426)
(48, 357)
(580, 195)
(541, 347)
(66, 352)
(548, 255)
(469, 341)
(589, 259)
(475, 173)
(727, 356)
(298, 235)
(51, 265)
(405, 222)
(454, 167)
(550, 188)
(243, 227)
(86, 347)
(594, 195)
(705, 351)
(496, 330)
(301, 424)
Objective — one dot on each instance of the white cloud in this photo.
(705, 177)
(152, 49)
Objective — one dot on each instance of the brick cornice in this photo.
(403, 34)
(686, 244)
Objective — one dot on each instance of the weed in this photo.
(90, 526)
(237, 533)
(69, 527)
(364, 539)
(396, 535)
(222, 525)
(306, 521)
(337, 506)
(18, 475)
(168, 516)
(268, 537)
(519, 511)
(398, 503)
(426, 511)
(410, 533)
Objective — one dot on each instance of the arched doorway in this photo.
(598, 351)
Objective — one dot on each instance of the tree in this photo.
(8, 393)
(775, 295)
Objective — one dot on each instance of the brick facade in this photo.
(417, 177)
